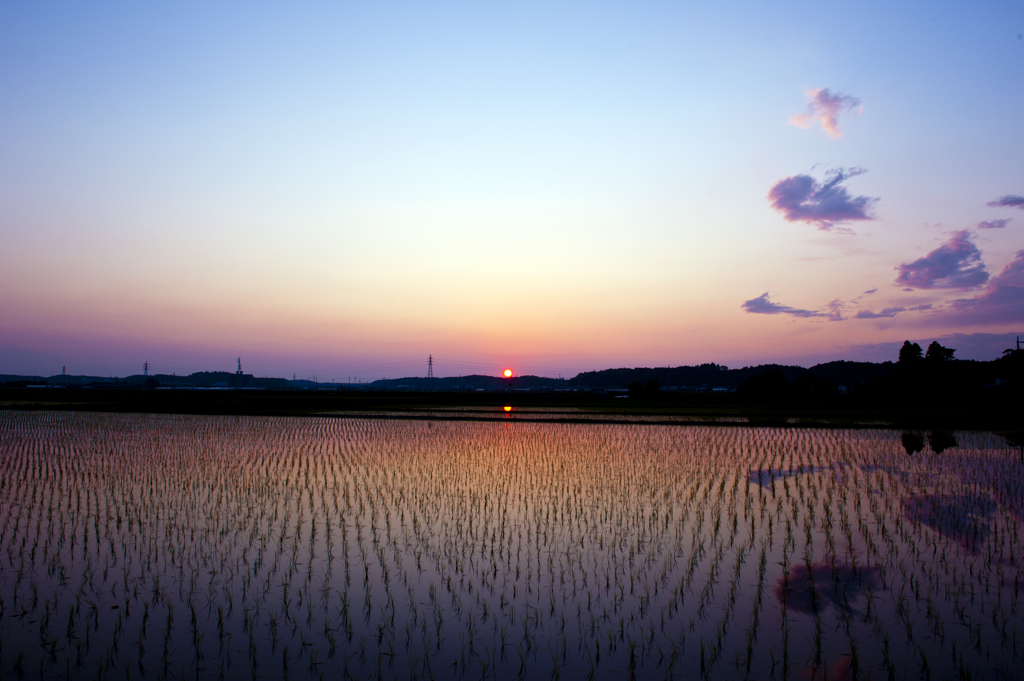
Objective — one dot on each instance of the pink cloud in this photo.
(1003, 298)
(993, 224)
(955, 264)
(824, 107)
(801, 198)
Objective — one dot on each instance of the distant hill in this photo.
(712, 376)
(473, 382)
(847, 376)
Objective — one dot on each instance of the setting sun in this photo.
(508, 408)
(508, 373)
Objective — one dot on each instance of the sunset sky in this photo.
(342, 189)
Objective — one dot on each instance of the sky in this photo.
(342, 189)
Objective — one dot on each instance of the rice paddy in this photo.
(166, 547)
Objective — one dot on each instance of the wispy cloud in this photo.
(887, 313)
(801, 198)
(955, 264)
(1003, 298)
(762, 305)
(1008, 201)
(824, 106)
(834, 310)
(993, 224)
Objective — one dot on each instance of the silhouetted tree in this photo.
(937, 353)
(912, 442)
(910, 352)
(1011, 365)
(813, 389)
(636, 389)
(771, 385)
(652, 386)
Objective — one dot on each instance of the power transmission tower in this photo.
(430, 370)
(145, 368)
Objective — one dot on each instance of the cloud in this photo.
(824, 107)
(1008, 201)
(835, 310)
(801, 198)
(1001, 302)
(884, 314)
(955, 264)
(761, 305)
(993, 224)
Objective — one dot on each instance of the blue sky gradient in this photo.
(568, 187)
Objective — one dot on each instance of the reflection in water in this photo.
(829, 583)
(265, 548)
(963, 518)
(941, 440)
(765, 476)
(912, 442)
(841, 671)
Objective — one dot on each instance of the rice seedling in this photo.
(309, 548)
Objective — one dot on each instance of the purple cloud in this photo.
(884, 314)
(835, 310)
(993, 224)
(824, 107)
(1008, 201)
(955, 264)
(1002, 300)
(761, 305)
(801, 198)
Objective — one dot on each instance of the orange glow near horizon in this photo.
(508, 373)
(508, 407)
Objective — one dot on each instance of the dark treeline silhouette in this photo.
(924, 393)
(712, 376)
(468, 383)
(916, 375)
(918, 379)
(936, 375)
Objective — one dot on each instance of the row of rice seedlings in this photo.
(305, 548)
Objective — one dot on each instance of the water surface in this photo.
(139, 546)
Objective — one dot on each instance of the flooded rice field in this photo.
(262, 548)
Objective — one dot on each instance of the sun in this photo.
(508, 408)
(508, 373)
